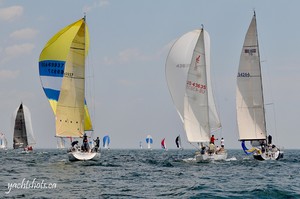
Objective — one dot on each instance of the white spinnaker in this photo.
(249, 93)
(177, 65)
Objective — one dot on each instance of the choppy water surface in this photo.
(147, 174)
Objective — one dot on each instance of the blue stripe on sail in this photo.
(52, 68)
(149, 140)
(52, 94)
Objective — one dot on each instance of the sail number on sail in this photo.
(68, 74)
(196, 87)
(52, 68)
(243, 74)
(182, 65)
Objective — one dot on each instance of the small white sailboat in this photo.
(23, 133)
(61, 143)
(149, 141)
(62, 72)
(163, 144)
(3, 141)
(250, 101)
(106, 142)
(189, 82)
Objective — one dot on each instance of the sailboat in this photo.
(23, 132)
(163, 144)
(250, 108)
(189, 83)
(61, 143)
(106, 142)
(178, 142)
(62, 73)
(149, 141)
(3, 141)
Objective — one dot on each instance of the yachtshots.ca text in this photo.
(30, 184)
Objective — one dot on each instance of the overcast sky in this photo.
(130, 41)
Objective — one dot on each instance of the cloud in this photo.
(133, 54)
(8, 74)
(16, 51)
(97, 4)
(26, 33)
(166, 48)
(11, 13)
(126, 56)
(130, 54)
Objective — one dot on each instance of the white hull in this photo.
(269, 155)
(210, 157)
(83, 156)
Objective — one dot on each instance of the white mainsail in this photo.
(28, 123)
(249, 93)
(25, 134)
(190, 85)
(70, 105)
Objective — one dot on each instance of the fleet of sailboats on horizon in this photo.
(189, 82)
(250, 109)
(62, 73)
(23, 133)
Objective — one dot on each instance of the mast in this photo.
(207, 90)
(263, 101)
(84, 47)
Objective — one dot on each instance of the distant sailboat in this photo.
(3, 141)
(189, 81)
(149, 141)
(61, 143)
(106, 142)
(178, 142)
(250, 101)
(62, 72)
(23, 133)
(163, 144)
(141, 144)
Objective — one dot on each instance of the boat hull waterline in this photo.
(210, 157)
(83, 156)
(268, 155)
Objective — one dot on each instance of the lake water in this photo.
(47, 173)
